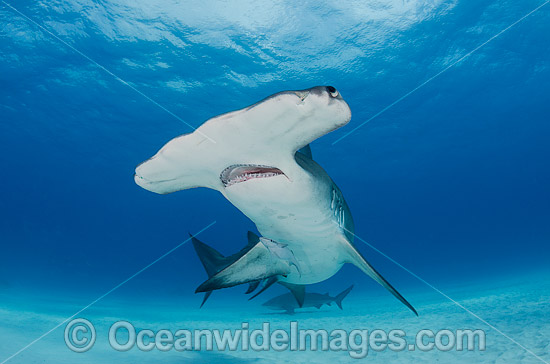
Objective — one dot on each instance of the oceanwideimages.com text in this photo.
(80, 336)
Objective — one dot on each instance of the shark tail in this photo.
(211, 260)
(338, 299)
(206, 295)
(355, 257)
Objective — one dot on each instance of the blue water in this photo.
(452, 182)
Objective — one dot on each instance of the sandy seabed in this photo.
(519, 308)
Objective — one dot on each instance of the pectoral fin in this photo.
(355, 257)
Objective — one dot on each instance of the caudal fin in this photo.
(212, 261)
(338, 299)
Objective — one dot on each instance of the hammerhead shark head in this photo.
(259, 159)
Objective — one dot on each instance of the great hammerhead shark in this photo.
(258, 158)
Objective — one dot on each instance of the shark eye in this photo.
(332, 91)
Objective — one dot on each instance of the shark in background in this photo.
(288, 303)
(259, 159)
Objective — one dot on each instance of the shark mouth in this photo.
(238, 173)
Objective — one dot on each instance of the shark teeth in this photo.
(238, 173)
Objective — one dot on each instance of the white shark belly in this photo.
(297, 213)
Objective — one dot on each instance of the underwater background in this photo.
(445, 165)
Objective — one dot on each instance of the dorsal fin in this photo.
(306, 151)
